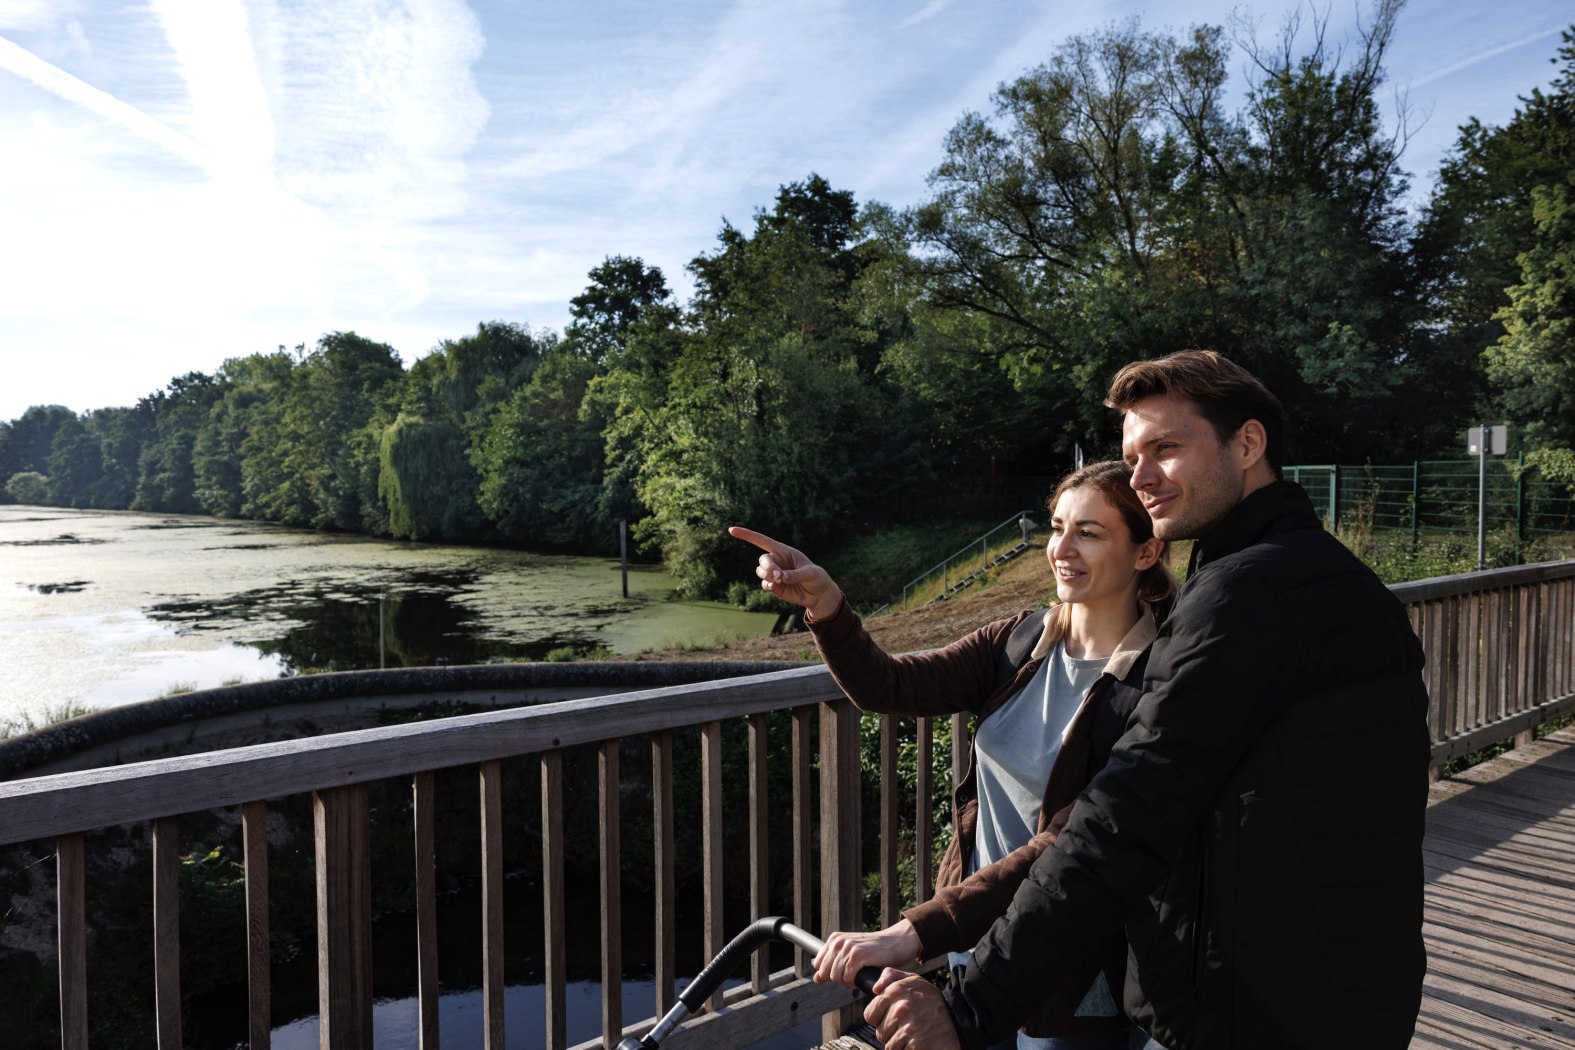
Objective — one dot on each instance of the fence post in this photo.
(1416, 500)
(1520, 504)
(1334, 495)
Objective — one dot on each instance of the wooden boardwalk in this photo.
(1500, 920)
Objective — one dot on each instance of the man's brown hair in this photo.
(1226, 394)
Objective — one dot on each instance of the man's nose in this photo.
(1144, 475)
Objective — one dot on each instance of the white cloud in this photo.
(28, 14)
(229, 109)
(376, 105)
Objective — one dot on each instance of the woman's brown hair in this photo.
(1112, 478)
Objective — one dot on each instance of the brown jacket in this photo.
(967, 676)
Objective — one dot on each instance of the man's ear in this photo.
(1254, 443)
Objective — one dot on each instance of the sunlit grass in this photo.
(28, 722)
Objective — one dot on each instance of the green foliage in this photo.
(426, 481)
(166, 481)
(1555, 464)
(254, 388)
(28, 486)
(540, 462)
(1533, 362)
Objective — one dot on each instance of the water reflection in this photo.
(353, 626)
(462, 1019)
(104, 607)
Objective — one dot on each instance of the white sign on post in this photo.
(1497, 441)
(1478, 441)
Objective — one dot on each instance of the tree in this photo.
(764, 408)
(1480, 217)
(76, 466)
(25, 442)
(1109, 208)
(219, 450)
(540, 464)
(1532, 365)
(166, 481)
(316, 461)
(425, 495)
(28, 486)
(623, 293)
(1481, 229)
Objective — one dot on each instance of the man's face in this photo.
(1187, 478)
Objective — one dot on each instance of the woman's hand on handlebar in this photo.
(789, 574)
(845, 954)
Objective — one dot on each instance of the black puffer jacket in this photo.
(1258, 829)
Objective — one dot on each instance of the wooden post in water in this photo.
(623, 552)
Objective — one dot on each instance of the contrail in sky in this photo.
(57, 81)
(1483, 56)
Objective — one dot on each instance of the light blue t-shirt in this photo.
(1015, 748)
(1013, 752)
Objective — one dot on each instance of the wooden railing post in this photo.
(759, 842)
(612, 894)
(714, 932)
(492, 949)
(259, 977)
(424, 820)
(803, 826)
(344, 918)
(70, 914)
(890, 891)
(166, 931)
(923, 816)
(839, 835)
(554, 929)
(665, 968)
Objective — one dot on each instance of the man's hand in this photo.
(908, 1013)
(845, 954)
(791, 576)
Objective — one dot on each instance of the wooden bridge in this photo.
(1501, 884)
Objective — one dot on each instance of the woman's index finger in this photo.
(757, 539)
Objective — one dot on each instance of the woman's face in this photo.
(1092, 552)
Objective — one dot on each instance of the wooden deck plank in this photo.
(1500, 920)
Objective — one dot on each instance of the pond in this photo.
(112, 607)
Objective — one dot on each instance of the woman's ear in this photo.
(1149, 552)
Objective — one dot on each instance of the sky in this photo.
(187, 181)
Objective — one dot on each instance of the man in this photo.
(1258, 829)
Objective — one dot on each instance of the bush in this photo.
(29, 486)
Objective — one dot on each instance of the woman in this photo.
(1051, 692)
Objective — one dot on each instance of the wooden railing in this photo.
(1501, 658)
(1500, 648)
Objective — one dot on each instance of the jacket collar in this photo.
(1277, 507)
(1127, 651)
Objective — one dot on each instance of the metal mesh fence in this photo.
(1430, 498)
